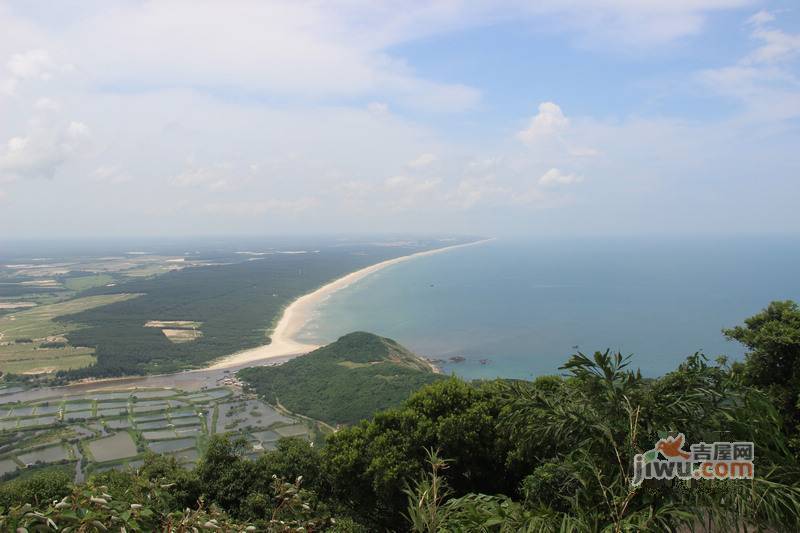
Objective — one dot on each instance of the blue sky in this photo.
(586, 117)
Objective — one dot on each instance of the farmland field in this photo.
(32, 340)
(81, 283)
(39, 322)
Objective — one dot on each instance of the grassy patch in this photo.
(47, 350)
(32, 359)
(81, 283)
(351, 364)
(39, 322)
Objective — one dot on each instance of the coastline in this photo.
(298, 313)
(282, 347)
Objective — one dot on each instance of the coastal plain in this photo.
(114, 313)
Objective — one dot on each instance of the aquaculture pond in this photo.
(96, 431)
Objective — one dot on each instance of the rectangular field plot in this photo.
(111, 412)
(186, 421)
(47, 409)
(111, 396)
(234, 416)
(77, 406)
(50, 454)
(149, 403)
(208, 395)
(149, 418)
(112, 405)
(266, 436)
(115, 447)
(7, 466)
(186, 431)
(159, 435)
(297, 430)
(122, 423)
(164, 446)
(124, 465)
(186, 456)
(150, 408)
(78, 415)
(158, 393)
(40, 421)
(182, 413)
(156, 424)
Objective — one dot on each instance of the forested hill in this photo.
(345, 381)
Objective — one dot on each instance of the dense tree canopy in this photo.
(773, 360)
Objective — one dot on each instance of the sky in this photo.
(501, 117)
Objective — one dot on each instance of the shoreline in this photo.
(297, 314)
(282, 348)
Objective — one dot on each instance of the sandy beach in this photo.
(300, 311)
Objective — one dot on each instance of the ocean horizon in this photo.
(519, 308)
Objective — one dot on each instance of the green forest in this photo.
(236, 304)
(551, 454)
(345, 381)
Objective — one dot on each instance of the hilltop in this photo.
(345, 381)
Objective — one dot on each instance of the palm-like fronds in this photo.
(594, 420)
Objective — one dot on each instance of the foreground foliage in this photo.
(553, 454)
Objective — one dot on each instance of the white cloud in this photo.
(584, 152)
(547, 124)
(29, 66)
(211, 178)
(631, 23)
(407, 184)
(112, 175)
(257, 208)
(33, 64)
(260, 110)
(77, 131)
(555, 177)
(46, 104)
(777, 46)
(423, 160)
(40, 153)
(763, 79)
(471, 192)
(378, 108)
(405, 192)
(761, 18)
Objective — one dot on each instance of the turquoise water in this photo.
(522, 305)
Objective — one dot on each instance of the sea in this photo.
(518, 308)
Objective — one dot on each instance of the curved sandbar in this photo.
(298, 313)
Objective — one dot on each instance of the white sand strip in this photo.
(300, 311)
